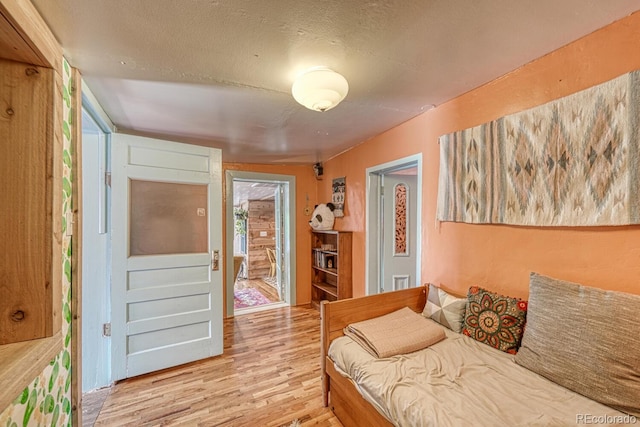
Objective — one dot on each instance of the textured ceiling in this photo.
(244, 191)
(219, 73)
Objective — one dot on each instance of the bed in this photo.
(460, 381)
(346, 402)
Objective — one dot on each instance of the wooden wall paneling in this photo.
(26, 205)
(21, 362)
(12, 46)
(25, 37)
(261, 233)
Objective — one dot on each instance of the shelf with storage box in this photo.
(330, 266)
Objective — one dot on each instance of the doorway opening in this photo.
(91, 339)
(255, 240)
(393, 221)
(95, 292)
(260, 221)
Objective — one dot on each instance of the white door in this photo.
(399, 213)
(166, 254)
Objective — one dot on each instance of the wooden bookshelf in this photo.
(330, 266)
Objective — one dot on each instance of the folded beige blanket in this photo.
(399, 332)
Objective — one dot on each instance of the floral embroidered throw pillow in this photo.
(494, 319)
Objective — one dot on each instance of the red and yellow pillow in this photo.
(495, 319)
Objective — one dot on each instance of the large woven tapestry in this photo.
(570, 162)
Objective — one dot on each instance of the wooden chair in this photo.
(271, 254)
(238, 260)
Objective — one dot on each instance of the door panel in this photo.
(167, 300)
(169, 158)
(140, 278)
(400, 282)
(399, 225)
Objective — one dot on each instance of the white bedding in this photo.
(461, 382)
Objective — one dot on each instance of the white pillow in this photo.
(444, 308)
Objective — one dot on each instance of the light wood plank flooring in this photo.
(269, 375)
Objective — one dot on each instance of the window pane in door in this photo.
(400, 223)
(167, 218)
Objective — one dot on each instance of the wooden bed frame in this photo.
(337, 391)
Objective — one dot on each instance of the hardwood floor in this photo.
(269, 375)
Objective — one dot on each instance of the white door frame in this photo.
(89, 334)
(289, 241)
(372, 218)
(96, 245)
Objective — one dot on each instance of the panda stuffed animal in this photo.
(322, 217)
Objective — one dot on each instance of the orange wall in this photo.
(500, 257)
(305, 185)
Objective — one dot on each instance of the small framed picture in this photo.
(338, 196)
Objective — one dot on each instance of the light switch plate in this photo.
(69, 221)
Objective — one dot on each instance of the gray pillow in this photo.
(585, 339)
(445, 308)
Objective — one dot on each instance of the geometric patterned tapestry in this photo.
(571, 162)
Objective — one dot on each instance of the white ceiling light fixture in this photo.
(319, 88)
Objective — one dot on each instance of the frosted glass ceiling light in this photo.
(319, 89)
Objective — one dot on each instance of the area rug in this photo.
(248, 297)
